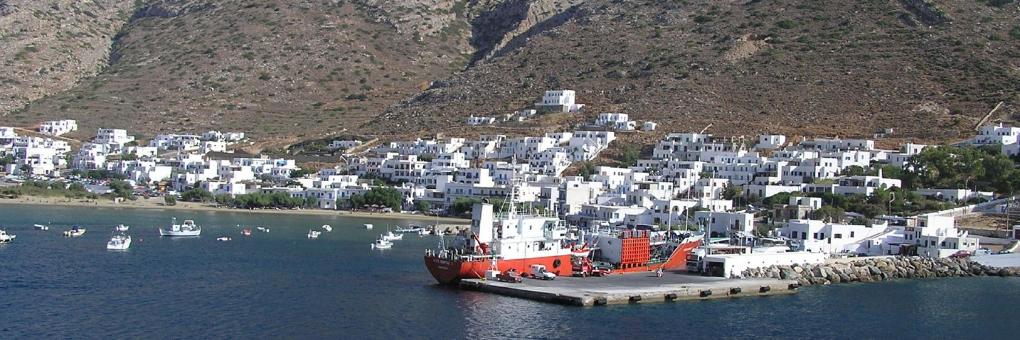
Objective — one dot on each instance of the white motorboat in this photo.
(6, 238)
(119, 242)
(312, 234)
(122, 228)
(382, 244)
(41, 227)
(390, 236)
(224, 238)
(327, 228)
(262, 229)
(410, 229)
(188, 228)
(369, 226)
(75, 231)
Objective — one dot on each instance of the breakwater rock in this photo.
(877, 269)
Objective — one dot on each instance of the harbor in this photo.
(632, 288)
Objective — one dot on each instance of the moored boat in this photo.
(381, 243)
(312, 234)
(119, 242)
(369, 226)
(41, 227)
(75, 231)
(5, 237)
(122, 228)
(224, 238)
(507, 241)
(188, 228)
(390, 236)
(327, 228)
(246, 232)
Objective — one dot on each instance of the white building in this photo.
(997, 134)
(617, 121)
(58, 127)
(832, 238)
(725, 223)
(558, 101)
(770, 142)
(480, 120)
(937, 236)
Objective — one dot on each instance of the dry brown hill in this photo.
(305, 69)
(928, 69)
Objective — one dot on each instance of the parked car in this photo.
(509, 276)
(539, 272)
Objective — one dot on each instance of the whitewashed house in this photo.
(58, 127)
(616, 121)
(558, 101)
(473, 120)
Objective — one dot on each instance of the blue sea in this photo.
(282, 285)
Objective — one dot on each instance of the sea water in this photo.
(282, 285)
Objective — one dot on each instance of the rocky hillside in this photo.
(288, 70)
(929, 69)
(48, 46)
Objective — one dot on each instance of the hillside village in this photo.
(828, 195)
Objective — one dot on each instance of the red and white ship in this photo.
(504, 241)
(517, 241)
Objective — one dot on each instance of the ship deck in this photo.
(632, 288)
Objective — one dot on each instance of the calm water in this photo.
(281, 284)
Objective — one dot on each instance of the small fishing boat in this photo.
(327, 228)
(6, 238)
(188, 228)
(246, 232)
(119, 242)
(41, 227)
(410, 229)
(262, 229)
(75, 231)
(122, 228)
(390, 236)
(382, 244)
(223, 238)
(369, 226)
(312, 234)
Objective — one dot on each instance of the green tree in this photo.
(630, 156)
(121, 189)
(197, 195)
(422, 206)
(828, 213)
(169, 200)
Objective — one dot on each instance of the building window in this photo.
(837, 235)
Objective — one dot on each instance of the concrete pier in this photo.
(632, 288)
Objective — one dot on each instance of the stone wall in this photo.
(878, 269)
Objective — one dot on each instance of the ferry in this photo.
(188, 228)
(502, 242)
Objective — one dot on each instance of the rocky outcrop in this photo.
(7, 9)
(878, 269)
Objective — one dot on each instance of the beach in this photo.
(157, 203)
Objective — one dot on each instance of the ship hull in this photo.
(451, 271)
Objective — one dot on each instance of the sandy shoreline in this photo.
(157, 203)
